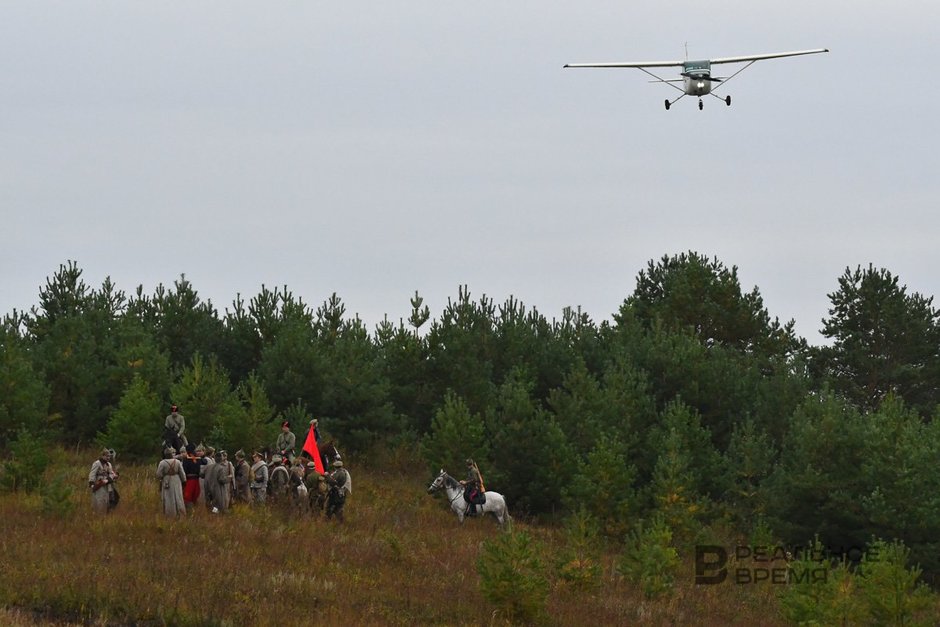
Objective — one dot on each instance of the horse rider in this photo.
(173, 428)
(473, 488)
(315, 423)
(286, 441)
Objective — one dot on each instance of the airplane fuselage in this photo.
(697, 77)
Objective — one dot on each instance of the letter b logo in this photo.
(710, 564)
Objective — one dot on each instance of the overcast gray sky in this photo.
(375, 149)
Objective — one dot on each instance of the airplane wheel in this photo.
(667, 105)
(728, 101)
(700, 105)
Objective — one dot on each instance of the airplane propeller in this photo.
(702, 77)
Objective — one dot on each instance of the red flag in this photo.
(310, 447)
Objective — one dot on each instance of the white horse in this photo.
(495, 503)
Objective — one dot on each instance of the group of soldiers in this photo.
(204, 472)
(189, 472)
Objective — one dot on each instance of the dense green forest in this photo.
(693, 407)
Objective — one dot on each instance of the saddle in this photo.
(476, 499)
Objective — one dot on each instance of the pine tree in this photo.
(512, 577)
(455, 435)
(818, 594)
(747, 463)
(603, 486)
(136, 426)
(531, 457)
(26, 463)
(673, 489)
(204, 395)
(883, 340)
(578, 561)
(24, 397)
(355, 391)
(816, 486)
(651, 560)
(891, 590)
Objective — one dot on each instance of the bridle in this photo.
(444, 477)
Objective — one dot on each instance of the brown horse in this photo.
(328, 454)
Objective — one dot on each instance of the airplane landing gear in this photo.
(700, 104)
(728, 100)
(667, 104)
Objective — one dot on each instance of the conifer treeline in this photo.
(692, 405)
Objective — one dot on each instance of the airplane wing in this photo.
(629, 64)
(772, 55)
(752, 57)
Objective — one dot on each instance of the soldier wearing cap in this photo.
(242, 470)
(192, 463)
(297, 488)
(258, 479)
(315, 423)
(279, 477)
(473, 485)
(219, 478)
(206, 454)
(171, 475)
(101, 482)
(286, 441)
(340, 487)
(174, 427)
(317, 489)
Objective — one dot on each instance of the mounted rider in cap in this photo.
(473, 488)
(286, 441)
(173, 428)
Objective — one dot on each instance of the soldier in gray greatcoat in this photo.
(101, 481)
(242, 470)
(258, 479)
(208, 459)
(171, 475)
(296, 486)
(278, 479)
(219, 477)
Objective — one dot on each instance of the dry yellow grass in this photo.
(400, 559)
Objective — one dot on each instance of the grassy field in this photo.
(399, 559)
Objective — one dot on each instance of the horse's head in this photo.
(438, 483)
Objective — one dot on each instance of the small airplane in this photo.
(697, 76)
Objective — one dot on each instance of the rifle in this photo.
(480, 475)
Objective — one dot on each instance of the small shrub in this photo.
(27, 463)
(818, 594)
(762, 536)
(892, 592)
(651, 560)
(578, 562)
(512, 577)
(57, 498)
